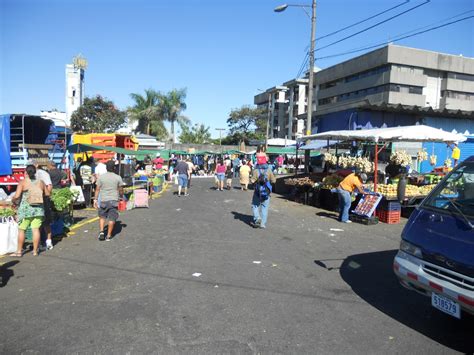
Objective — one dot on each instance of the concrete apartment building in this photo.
(393, 85)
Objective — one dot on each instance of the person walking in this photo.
(183, 176)
(244, 175)
(220, 174)
(110, 188)
(345, 189)
(44, 176)
(29, 194)
(229, 174)
(262, 177)
(191, 169)
(86, 170)
(236, 164)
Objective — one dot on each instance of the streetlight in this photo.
(282, 8)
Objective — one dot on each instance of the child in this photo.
(229, 174)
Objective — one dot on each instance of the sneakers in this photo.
(101, 236)
(108, 239)
(49, 244)
(348, 221)
(256, 224)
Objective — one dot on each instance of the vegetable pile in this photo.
(63, 198)
(7, 212)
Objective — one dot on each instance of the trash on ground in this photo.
(257, 262)
(197, 274)
(336, 229)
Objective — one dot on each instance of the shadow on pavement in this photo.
(328, 215)
(119, 226)
(6, 273)
(246, 218)
(371, 277)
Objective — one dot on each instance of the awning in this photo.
(417, 133)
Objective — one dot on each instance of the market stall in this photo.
(396, 193)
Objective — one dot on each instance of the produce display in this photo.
(390, 190)
(304, 181)
(7, 212)
(331, 181)
(422, 155)
(63, 198)
(400, 158)
(358, 163)
(433, 159)
(447, 163)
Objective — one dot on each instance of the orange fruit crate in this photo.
(390, 217)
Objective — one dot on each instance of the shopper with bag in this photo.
(29, 194)
(262, 178)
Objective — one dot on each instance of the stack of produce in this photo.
(63, 198)
(7, 212)
(400, 158)
(305, 181)
(422, 155)
(331, 181)
(390, 191)
(330, 159)
(360, 164)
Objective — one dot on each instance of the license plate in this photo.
(446, 305)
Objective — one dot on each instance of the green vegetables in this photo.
(63, 198)
(7, 212)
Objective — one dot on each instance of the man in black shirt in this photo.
(56, 175)
(183, 176)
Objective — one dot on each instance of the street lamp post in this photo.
(309, 109)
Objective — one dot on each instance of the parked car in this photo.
(436, 256)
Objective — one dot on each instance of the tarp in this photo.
(317, 144)
(417, 133)
(5, 158)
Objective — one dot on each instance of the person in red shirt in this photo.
(158, 162)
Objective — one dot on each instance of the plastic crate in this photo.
(368, 221)
(389, 217)
(387, 205)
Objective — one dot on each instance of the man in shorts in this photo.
(183, 176)
(110, 187)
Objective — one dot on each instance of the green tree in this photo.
(171, 106)
(246, 123)
(158, 129)
(146, 112)
(197, 134)
(97, 114)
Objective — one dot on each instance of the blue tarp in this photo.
(5, 159)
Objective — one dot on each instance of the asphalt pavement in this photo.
(189, 275)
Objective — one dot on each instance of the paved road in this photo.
(307, 284)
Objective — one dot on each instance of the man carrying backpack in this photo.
(262, 178)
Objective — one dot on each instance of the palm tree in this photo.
(170, 106)
(146, 110)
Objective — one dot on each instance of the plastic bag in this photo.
(8, 235)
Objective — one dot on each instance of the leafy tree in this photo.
(97, 114)
(146, 112)
(197, 134)
(170, 107)
(158, 129)
(246, 123)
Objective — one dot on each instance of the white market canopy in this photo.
(418, 133)
(281, 142)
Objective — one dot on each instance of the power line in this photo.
(362, 21)
(303, 65)
(375, 25)
(415, 30)
(397, 39)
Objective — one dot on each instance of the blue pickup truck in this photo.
(436, 256)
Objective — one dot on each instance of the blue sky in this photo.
(221, 51)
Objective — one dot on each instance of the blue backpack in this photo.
(263, 187)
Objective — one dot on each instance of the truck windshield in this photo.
(456, 193)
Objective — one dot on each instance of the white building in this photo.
(75, 85)
(58, 117)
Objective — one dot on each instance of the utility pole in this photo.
(220, 137)
(310, 84)
(269, 116)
